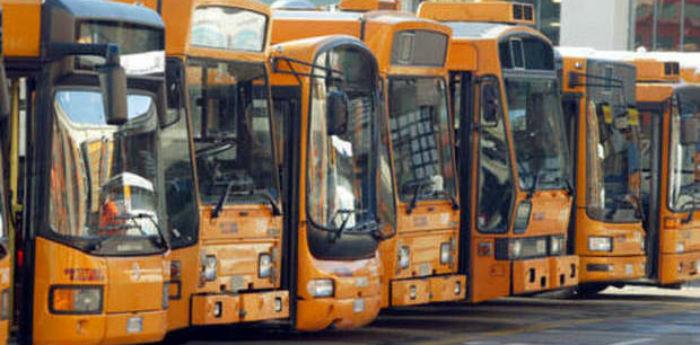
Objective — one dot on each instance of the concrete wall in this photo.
(600, 24)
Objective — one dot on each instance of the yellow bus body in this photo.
(671, 233)
(132, 287)
(431, 223)
(490, 277)
(626, 261)
(356, 300)
(259, 231)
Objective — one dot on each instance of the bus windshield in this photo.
(613, 176)
(341, 185)
(684, 154)
(104, 178)
(420, 132)
(232, 132)
(534, 109)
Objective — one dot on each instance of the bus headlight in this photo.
(264, 265)
(165, 302)
(319, 288)
(515, 249)
(404, 257)
(445, 253)
(600, 244)
(209, 268)
(680, 247)
(76, 300)
(522, 217)
(556, 245)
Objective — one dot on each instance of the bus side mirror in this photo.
(167, 116)
(689, 131)
(337, 112)
(113, 85)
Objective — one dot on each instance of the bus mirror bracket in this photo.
(111, 74)
(167, 118)
(113, 85)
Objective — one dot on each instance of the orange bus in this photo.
(329, 122)
(603, 125)
(87, 107)
(6, 248)
(513, 158)
(420, 262)
(669, 113)
(222, 183)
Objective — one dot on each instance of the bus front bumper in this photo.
(346, 313)
(542, 274)
(679, 268)
(107, 329)
(612, 268)
(219, 309)
(442, 288)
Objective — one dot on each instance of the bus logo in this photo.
(135, 271)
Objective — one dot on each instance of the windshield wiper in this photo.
(152, 219)
(216, 212)
(346, 214)
(265, 194)
(451, 197)
(693, 206)
(530, 192)
(416, 193)
(97, 243)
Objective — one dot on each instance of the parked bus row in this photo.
(170, 164)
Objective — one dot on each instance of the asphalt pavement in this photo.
(629, 316)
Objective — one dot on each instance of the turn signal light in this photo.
(76, 299)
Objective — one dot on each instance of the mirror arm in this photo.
(109, 51)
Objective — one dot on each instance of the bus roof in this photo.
(502, 12)
(378, 29)
(22, 22)
(178, 17)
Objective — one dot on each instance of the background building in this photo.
(652, 25)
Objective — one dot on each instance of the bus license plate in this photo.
(134, 325)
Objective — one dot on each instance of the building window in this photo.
(666, 25)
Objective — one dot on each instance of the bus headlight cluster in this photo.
(404, 257)
(522, 248)
(265, 265)
(209, 268)
(76, 300)
(515, 249)
(556, 245)
(600, 244)
(320, 288)
(445, 253)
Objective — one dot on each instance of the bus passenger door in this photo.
(486, 187)
(286, 125)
